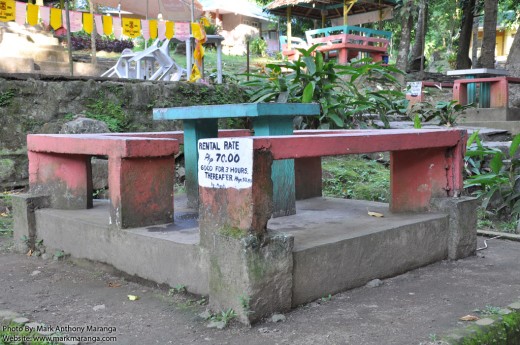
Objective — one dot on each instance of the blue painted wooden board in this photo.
(236, 110)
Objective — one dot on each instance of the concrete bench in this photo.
(424, 164)
(494, 91)
(349, 41)
(415, 90)
(141, 174)
(201, 122)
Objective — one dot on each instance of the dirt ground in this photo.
(412, 308)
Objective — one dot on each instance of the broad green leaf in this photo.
(337, 120)
(514, 145)
(496, 163)
(308, 93)
(417, 122)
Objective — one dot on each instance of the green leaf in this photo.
(308, 93)
(337, 120)
(514, 145)
(496, 163)
(417, 122)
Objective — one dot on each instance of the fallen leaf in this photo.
(114, 284)
(375, 214)
(133, 297)
(469, 318)
(29, 253)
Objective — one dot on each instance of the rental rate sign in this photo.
(225, 163)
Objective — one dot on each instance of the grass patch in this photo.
(354, 177)
(6, 215)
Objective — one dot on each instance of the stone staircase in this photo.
(26, 49)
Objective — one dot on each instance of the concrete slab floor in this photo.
(318, 221)
(408, 309)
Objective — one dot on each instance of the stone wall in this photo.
(35, 103)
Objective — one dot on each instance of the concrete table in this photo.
(485, 88)
(269, 119)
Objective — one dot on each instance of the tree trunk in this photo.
(466, 26)
(474, 53)
(487, 55)
(417, 61)
(513, 59)
(404, 44)
(93, 34)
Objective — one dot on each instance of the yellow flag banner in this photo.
(198, 53)
(195, 74)
(131, 27)
(152, 24)
(88, 22)
(7, 10)
(198, 32)
(169, 30)
(55, 18)
(107, 25)
(32, 14)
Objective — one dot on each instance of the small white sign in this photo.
(414, 88)
(225, 163)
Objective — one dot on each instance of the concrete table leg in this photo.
(284, 199)
(193, 131)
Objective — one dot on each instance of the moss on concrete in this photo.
(232, 232)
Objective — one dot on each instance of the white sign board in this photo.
(414, 88)
(225, 163)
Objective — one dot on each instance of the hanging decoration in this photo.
(131, 27)
(107, 25)
(117, 27)
(55, 18)
(169, 30)
(99, 24)
(88, 23)
(145, 28)
(20, 13)
(7, 10)
(45, 13)
(153, 28)
(76, 21)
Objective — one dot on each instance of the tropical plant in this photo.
(336, 88)
(498, 184)
(445, 113)
(258, 46)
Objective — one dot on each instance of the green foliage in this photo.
(258, 46)
(353, 177)
(497, 184)
(109, 112)
(6, 216)
(444, 113)
(177, 289)
(336, 88)
(6, 97)
(225, 316)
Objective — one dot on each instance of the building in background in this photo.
(239, 20)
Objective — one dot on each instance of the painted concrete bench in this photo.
(349, 46)
(494, 91)
(415, 90)
(201, 122)
(426, 175)
(141, 172)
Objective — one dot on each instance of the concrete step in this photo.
(56, 54)
(14, 64)
(491, 114)
(24, 38)
(63, 68)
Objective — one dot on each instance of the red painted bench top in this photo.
(102, 145)
(512, 80)
(354, 142)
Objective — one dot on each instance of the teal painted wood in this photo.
(348, 29)
(472, 90)
(236, 110)
(484, 100)
(282, 173)
(193, 131)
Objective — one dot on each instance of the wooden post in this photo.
(289, 28)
